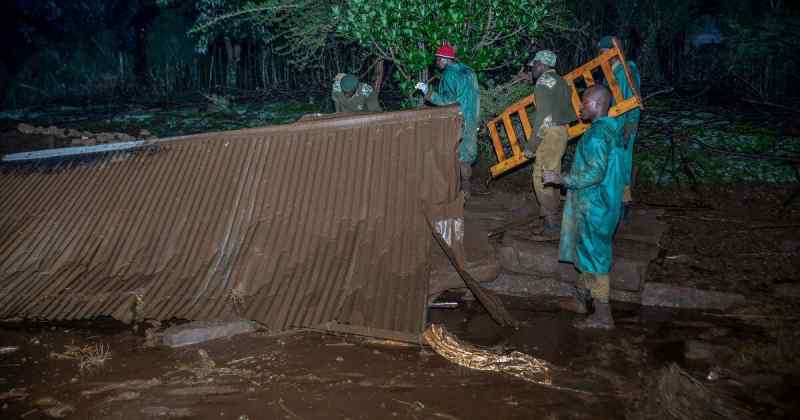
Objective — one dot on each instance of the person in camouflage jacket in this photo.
(350, 95)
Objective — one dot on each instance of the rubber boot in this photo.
(465, 171)
(552, 224)
(579, 303)
(551, 229)
(600, 319)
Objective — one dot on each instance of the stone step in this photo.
(628, 272)
(527, 285)
(671, 296)
(200, 331)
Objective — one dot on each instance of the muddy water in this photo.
(307, 375)
(315, 376)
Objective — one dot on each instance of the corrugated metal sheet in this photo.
(313, 224)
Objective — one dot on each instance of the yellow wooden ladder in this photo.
(621, 106)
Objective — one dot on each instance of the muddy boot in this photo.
(551, 230)
(600, 319)
(579, 303)
(548, 208)
(465, 170)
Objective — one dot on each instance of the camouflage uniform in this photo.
(363, 99)
(553, 114)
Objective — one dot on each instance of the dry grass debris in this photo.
(89, 357)
(515, 363)
(675, 394)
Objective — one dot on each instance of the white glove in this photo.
(423, 87)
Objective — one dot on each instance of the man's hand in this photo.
(528, 152)
(551, 177)
(422, 86)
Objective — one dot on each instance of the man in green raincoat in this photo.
(458, 85)
(592, 210)
(630, 119)
(350, 95)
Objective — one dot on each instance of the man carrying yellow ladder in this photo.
(553, 114)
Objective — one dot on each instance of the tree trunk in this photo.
(377, 82)
(234, 53)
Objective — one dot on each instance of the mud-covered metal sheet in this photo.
(314, 224)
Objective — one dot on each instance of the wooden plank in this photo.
(588, 78)
(512, 135)
(577, 130)
(623, 107)
(498, 146)
(508, 164)
(628, 74)
(576, 99)
(612, 82)
(526, 123)
(590, 65)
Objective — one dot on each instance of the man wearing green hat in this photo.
(553, 114)
(350, 95)
(629, 120)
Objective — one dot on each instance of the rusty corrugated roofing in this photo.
(313, 224)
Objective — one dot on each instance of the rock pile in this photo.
(73, 137)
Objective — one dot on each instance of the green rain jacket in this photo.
(630, 119)
(460, 85)
(594, 197)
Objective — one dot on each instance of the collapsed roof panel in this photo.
(314, 224)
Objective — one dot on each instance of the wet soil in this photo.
(310, 375)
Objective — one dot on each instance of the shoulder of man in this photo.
(547, 80)
(610, 129)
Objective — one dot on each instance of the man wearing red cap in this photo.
(458, 85)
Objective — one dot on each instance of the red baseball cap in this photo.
(446, 51)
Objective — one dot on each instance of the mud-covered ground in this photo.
(743, 239)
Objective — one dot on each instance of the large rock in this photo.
(540, 259)
(527, 285)
(667, 295)
(529, 257)
(200, 331)
(499, 209)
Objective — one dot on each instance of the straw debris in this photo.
(515, 363)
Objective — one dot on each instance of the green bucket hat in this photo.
(606, 42)
(349, 83)
(545, 57)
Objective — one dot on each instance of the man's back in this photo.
(363, 99)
